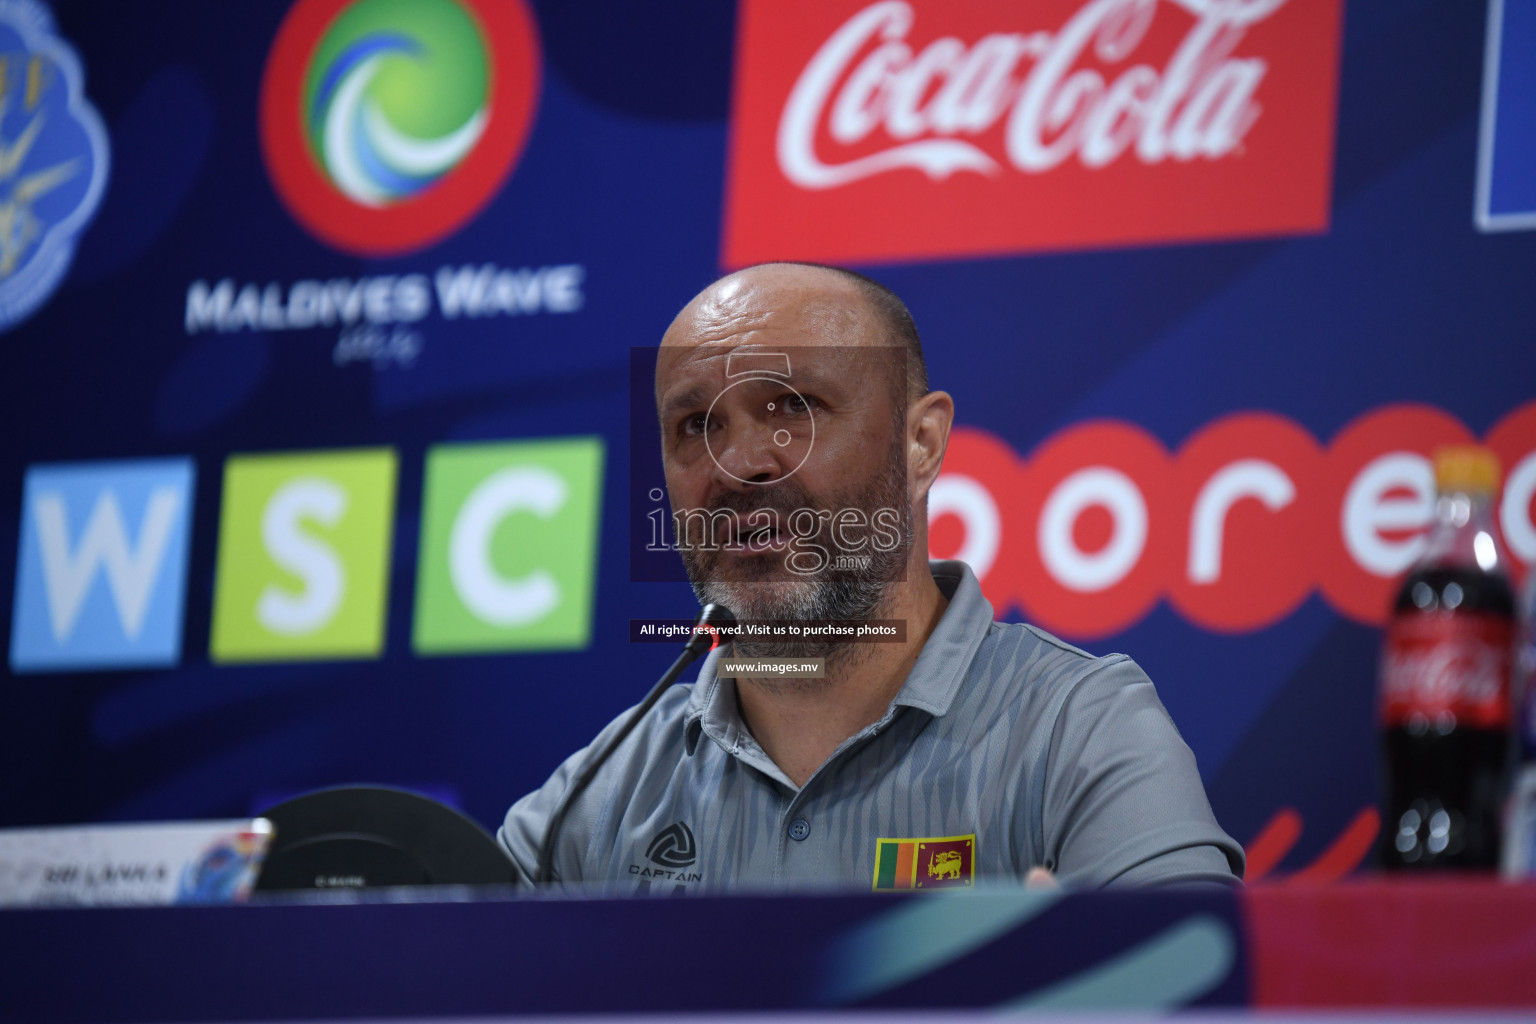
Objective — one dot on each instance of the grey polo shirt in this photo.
(1006, 748)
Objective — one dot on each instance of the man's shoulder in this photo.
(658, 738)
(675, 707)
(1045, 639)
(1036, 662)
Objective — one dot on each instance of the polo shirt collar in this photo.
(931, 686)
(936, 678)
(713, 709)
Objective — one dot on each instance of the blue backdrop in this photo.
(620, 182)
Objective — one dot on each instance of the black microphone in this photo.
(706, 633)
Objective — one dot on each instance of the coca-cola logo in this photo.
(1442, 663)
(1447, 675)
(899, 128)
(1235, 528)
(1199, 106)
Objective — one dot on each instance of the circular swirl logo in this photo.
(386, 125)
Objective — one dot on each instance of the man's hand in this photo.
(1040, 878)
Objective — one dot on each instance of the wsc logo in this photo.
(304, 555)
(387, 124)
(508, 557)
(53, 159)
(102, 565)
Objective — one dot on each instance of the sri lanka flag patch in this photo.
(941, 863)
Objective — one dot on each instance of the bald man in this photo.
(799, 440)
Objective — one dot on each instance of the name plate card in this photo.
(132, 865)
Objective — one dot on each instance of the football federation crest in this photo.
(53, 158)
(943, 863)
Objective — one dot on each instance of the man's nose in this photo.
(745, 455)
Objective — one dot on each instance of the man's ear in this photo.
(928, 421)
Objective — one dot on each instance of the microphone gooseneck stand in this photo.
(710, 618)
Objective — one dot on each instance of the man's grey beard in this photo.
(844, 595)
(812, 600)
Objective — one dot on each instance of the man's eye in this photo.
(797, 404)
(696, 424)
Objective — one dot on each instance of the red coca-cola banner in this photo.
(903, 129)
(1235, 529)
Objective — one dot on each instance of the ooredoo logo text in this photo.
(906, 129)
(386, 125)
(1235, 528)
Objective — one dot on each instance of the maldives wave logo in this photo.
(359, 91)
(388, 124)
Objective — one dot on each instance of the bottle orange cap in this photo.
(1466, 467)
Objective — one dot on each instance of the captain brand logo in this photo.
(672, 852)
(508, 546)
(388, 124)
(903, 129)
(53, 158)
(943, 863)
(673, 847)
(102, 565)
(303, 566)
(1235, 528)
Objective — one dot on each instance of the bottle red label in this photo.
(1438, 663)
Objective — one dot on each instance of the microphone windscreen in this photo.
(706, 629)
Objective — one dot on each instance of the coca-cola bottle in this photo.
(1445, 681)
